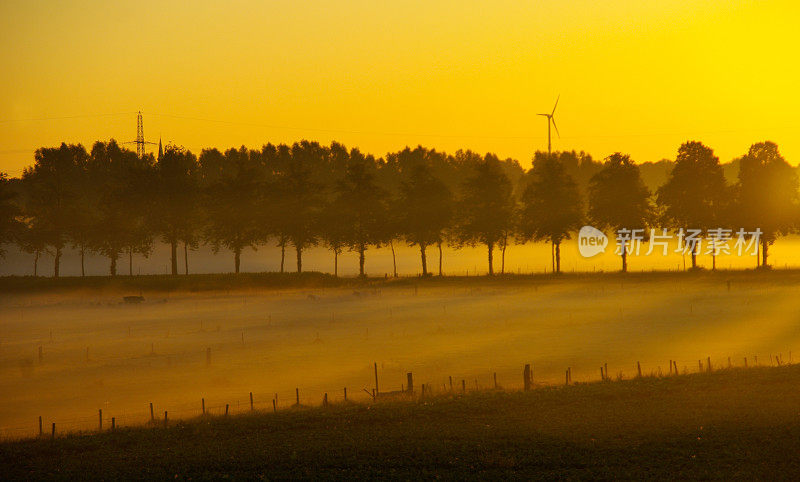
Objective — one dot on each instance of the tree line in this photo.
(110, 202)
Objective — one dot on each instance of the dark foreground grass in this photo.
(732, 424)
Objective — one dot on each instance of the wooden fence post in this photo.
(40, 426)
(226, 409)
(325, 399)
(345, 394)
(251, 401)
(463, 386)
(376, 379)
(451, 382)
(708, 365)
(202, 405)
(526, 377)
(53, 433)
(495, 380)
(605, 369)
(410, 380)
(639, 369)
(297, 395)
(152, 415)
(113, 424)
(274, 405)
(165, 418)
(100, 419)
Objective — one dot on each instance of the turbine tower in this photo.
(551, 119)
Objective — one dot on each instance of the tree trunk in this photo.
(335, 263)
(57, 263)
(394, 260)
(439, 245)
(490, 247)
(624, 259)
(424, 259)
(694, 259)
(174, 256)
(186, 258)
(503, 256)
(552, 257)
(299, 253)
(83, 257)
(361, 250)
(764, 250)
(113, 267)
(237, 257)
(558, 257)
(130, 261)
(283, 254)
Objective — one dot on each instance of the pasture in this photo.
(184, 344)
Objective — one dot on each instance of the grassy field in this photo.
(270, 338)
(730, 424)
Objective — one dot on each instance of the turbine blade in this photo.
(556, 105)
(546, 115)
(553, 119)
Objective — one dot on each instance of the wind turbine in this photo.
(551, 119)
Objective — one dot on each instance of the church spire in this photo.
(160, 149)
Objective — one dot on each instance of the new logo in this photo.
(591, 241)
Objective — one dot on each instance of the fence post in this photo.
(451, 382)
(345, 394)
(410, 379)
(639, 369)
(297, 395)
(376, 378)
(100, 419)
(152, 415)
(226, 409)
(526, 377)
(40, 426)
(165, 418)
(251, 401)
(325, 399)
(495, 380)
(113, 424)
(709, 365)
(274, 406)
(202, 405)
(53, 433)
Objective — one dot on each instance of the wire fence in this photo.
(235, 403)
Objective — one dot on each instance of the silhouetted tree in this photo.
(10, 213)
(486, 207)
(425, 210)
(551, 205)
(122, 186)
(51, 186)
(232, 199)
(618, 198)
(299, 196)
(177, 195)
(363, 205)
(695, 194)
(767, 194)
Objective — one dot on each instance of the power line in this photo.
(36, 119)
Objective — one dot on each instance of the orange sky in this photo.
(639, 77)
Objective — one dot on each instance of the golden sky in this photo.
(635, 76)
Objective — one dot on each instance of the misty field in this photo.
(732, 424)
(100, 353)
